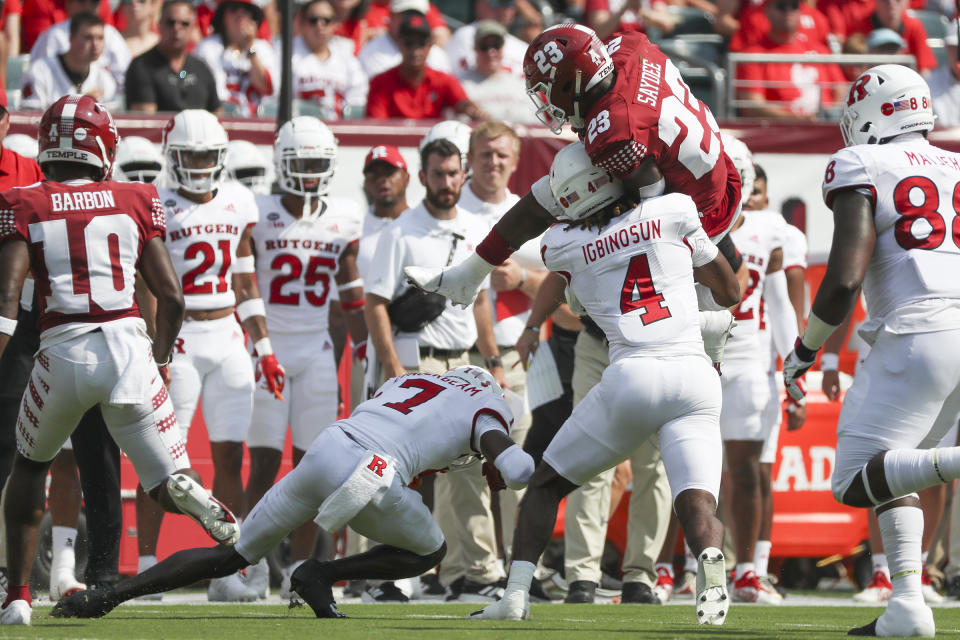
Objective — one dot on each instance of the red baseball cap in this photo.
(385, 153)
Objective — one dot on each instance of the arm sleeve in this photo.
(138, 85)
(783, 320)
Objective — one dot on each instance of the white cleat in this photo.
(63, 583)
(514, 605)
(902, 619)
(712, 600)
(460, 283)
(195, 501)
(230, 589)
(257, 578)
(17, 612)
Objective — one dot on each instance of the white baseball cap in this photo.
(399, 6)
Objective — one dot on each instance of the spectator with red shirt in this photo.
(787, 89)
(892, 14)
(414, 90)
(842, 14)
(378, 20)
(383, 52)
(40, 15)
(745, 21)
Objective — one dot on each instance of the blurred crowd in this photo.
(417, 59)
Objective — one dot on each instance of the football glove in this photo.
(794, 367)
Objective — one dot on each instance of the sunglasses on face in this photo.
(490, 44)
(317, 19)
(787, 6)
(176, 23)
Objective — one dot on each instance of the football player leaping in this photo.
(632, 268)
(356, 472)
(85, 238)
(895, 201)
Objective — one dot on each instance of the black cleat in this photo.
(865, 630)
(313, 584)
(91, 603)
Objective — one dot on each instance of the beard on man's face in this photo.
(444, 198)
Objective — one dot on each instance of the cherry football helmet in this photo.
(477, 376)
(743, 161)
(248, 166)
(78, 129)
(560, 66)
(138, 160)
(885, 101)
(304, 150)
(579, 187)
(195, 148)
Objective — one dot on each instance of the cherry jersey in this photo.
(426, 421)
(297, 261)
(85, 240)
(202, 240)
(635, 277)
(756, 239)
(650, 112)
(911, 285)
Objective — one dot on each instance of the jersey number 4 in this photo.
(929, 234)
(110, 242)
(639, 281)
(428, 390)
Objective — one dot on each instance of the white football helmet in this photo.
(23, 144)
(453, 130)
(580, 188)
(195, 148)
(137, 160)
(885, 101)
(743, 161)
(477, 376)
(304, 150)
(247, 165)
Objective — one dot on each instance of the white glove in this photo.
(460, 283)
(797, 364)
(715, 328)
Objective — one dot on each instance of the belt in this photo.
(444, 354)
(592, 328)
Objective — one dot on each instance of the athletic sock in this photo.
(64, 558)
(689, 560)
(880, 564)
(902, 531)
(910, 470)
(743, 568)
(761, 556)
(521, 575)
(18, 592)
(145, 562)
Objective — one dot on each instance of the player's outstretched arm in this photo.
(524, 221)
(14, 264)
(720, 279)
(161, 278)
(548, 299)
(514, 464)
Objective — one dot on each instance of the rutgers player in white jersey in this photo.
(306, 249)
(86, 238)
(357, 472)
(209, 239)
(632, 269)
(894, 198)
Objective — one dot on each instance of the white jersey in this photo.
(635, 277)
(116, 56)
(372, 226)
(794, 248)
(459, 48)
(755, 239)
(297, 261)
(202, 240)
(382, 54)
(335, 83)
(911, 285)
(231, 71)
(46, 81)
(426, 421)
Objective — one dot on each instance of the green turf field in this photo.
(277, 622)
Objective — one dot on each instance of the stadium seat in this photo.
(16, 66)
(689, 20)
(700, 59)
(936, 25)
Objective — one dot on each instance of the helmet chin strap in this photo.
(577, 97)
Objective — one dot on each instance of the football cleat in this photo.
(17, 612)
(749, 588)
(230, 589)
(688, 585)
(902, 619)
(465, 590)
(664, 587)
(712, 600)
(514, 605)
(63, 583)
(879, 589)
(313, 584)
(211, 514)
(384, 593)
(930, 593)
(770, 590)
(92, 603)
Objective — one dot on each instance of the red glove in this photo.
(165, 376)
(273, 373)
(494, 479)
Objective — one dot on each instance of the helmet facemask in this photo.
(196, 170)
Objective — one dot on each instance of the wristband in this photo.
(534, 329)
(244, 264)
(829, 362)
(250, 308)
(816, 332)
(493, 361)
(165, 363)
(356, 304)
(263, 347)
(350, 285)
(7, 326)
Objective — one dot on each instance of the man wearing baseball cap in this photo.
(384, 52)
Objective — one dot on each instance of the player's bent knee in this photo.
(433, 559)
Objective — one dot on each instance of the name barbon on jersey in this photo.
(298, 259)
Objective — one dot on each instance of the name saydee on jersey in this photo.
(649, 91)
(197, 229)
(606, 245)
(82, 200)
(306, 243)
(920, 159)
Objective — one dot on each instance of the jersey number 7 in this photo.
(428, 390)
